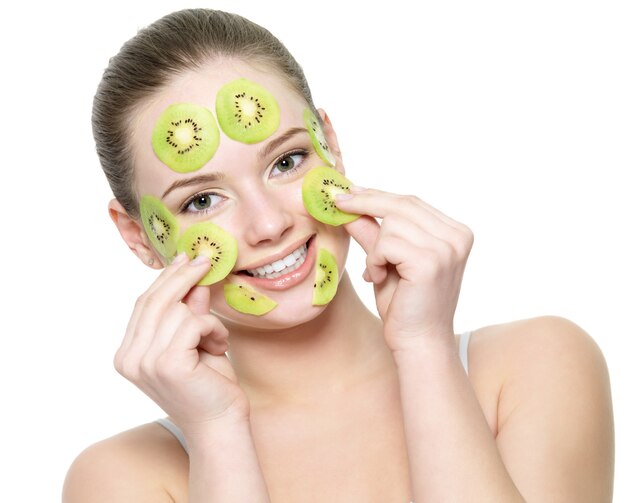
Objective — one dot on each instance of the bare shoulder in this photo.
(144, 464)
(554, 419)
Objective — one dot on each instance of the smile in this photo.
(285, 265)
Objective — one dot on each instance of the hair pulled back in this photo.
(181, 41)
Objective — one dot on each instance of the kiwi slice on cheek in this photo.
(160, 225)
(319, 188)
(210, 240)
(246, 111)
(316, 133)
(185, 137)
(326, 278)
(245, 299)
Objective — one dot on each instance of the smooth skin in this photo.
(335, 404)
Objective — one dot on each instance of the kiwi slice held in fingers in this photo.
(246, 111)
(245, 299)
(160, 225)
(326, 278)
(319, 188)
(185, 137)
(210, 240)
(316, 133)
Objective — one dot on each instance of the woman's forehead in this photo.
(200, 87)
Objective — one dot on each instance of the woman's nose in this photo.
(268, 220)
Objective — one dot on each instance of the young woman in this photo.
(307, 402)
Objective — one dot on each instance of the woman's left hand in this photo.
(416, 256)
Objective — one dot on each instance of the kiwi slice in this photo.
(246, 111)
(319, 188)
(326, 278)
(206, 238)
(316, 133)
(185, 137)
(245, 299)
(160, 225)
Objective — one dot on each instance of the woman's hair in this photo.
(178, 42)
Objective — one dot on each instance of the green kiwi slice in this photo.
(160, 225)
(206, 238)
(246, 111)
(245, 299)
(316, 133)
(319, 188)
(185, 137)
(326, 278)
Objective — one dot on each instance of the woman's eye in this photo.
(202, 202)
(288, 163)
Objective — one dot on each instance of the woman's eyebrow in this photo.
(196, 180)
(277, 142)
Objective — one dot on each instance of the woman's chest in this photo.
(354, 452)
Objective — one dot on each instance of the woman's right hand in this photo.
(174, 349)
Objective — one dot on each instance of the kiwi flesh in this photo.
(246, 111)
(319, 188)
(326, 278)
(245, 299)
(316, 133)
(210, 240)
(185, 137)
(160, 226)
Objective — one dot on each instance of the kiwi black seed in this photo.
(326, 278)
(319, 188)
(185, 137)
(246, 111)
(210, 240)
(160, 225)
(316, 134)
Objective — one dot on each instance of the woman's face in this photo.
(252, 191)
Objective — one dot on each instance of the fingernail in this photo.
(356, 188)
(343, 197)
(200, 260)
(179, 258)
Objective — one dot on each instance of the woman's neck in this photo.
(341, 348)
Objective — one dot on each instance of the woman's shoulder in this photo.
(144, 463)
(529, 344)
(544, 386)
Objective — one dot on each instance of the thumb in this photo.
(365, 231)
(198, 300)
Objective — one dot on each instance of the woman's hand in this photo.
(415, 259)
(174, 350)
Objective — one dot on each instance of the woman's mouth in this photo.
(282, 266)
(285, 272)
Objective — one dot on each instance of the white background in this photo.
(507, 116)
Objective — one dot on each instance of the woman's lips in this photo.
(290, 279)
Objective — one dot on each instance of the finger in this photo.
(380, 204)
(140, 303)
(198, 331)
(365, 231)
(199, 300)
(172, 289)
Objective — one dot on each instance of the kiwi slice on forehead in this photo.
(319, 188)
(246, 111)
(185, 137)
(326, 278)
(160, 225)
(210, 240)
(316, 133)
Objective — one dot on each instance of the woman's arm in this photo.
(554, 440)
(554, 435)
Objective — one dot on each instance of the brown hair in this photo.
(181, 41)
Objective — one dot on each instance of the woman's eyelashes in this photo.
(289, 163)
(201, 203)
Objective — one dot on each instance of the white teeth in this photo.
(282, 266)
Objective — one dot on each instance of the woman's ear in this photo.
(133, 234)
(331, 138)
